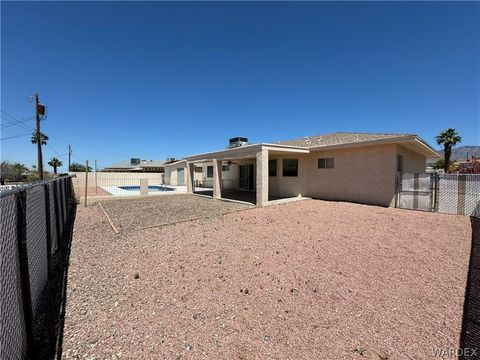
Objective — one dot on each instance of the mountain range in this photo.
(460, 153)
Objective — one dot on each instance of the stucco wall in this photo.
(105, 178)
(412, 161)
(364, 174)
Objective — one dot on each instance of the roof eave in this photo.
(424, 148)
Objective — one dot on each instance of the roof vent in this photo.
(134, 161)
(237, 142)
(307, 140)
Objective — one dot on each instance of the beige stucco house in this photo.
(355, 167)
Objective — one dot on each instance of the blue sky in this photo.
(155, 80)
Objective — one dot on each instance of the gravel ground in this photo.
(131, 214)
(309, 280)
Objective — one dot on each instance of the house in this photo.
(137, 165)
(470, 166)
(357, 167)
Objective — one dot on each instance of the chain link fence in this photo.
(444, 193)
(33, 220)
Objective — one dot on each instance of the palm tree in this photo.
(43, 137)
(447, 138)
(55, 163)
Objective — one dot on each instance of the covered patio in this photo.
(250, 183)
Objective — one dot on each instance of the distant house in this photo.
(137, 165)
(358, 167)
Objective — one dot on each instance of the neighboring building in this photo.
(137, 165)
(355, 167)
(471, 166)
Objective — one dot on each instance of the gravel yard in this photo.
(131, 214)
(304, 280)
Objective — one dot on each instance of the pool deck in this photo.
(118, 191)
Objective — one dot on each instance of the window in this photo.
(399, 163)
(290, 167)
(225, 167)
(272, 167)
(326, 163)
(209, 171)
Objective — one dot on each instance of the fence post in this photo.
(24, 272)
(399, 188)
(86, 182)
(96, 186)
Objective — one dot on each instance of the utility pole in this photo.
(39, 110)
(69, 157)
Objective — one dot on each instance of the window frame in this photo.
(326, 162)
(293, 173)
(208, 171)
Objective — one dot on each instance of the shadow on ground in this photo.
(48, 326)
(470, 336)
(245, 196)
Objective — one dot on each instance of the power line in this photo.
(68, 141)
(18, 122)
(15, 136)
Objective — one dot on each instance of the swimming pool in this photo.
(153, 188)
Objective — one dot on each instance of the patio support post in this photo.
(262, 177)
(217, 179)
(190, 178)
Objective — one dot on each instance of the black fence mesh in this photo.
(59, 215)
(12, 329)
(53, 219)
(36, 244)
(33, 219)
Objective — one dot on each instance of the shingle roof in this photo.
(339, 138)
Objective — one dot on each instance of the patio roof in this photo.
(247, 151)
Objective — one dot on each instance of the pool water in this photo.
(150, 188)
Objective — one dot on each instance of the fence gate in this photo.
(416, 191)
